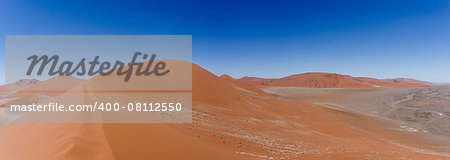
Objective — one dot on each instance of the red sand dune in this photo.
(229, 121)
(309, 80)
(332, 80)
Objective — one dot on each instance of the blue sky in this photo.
(382, 39)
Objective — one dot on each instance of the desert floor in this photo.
(422, 113)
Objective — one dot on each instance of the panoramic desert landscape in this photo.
(225, 80)
(335, 117)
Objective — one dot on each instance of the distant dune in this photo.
(331, 80)
(397, 82)
(309, 80)
(58, 83)
(8, 89)
(37, 91)
(242, 85)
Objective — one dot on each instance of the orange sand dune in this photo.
(332, 80)
(104, 142)
(309, 80)
(231, 120)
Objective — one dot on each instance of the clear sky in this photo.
(376, 38)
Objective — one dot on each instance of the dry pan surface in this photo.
(422, 112)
